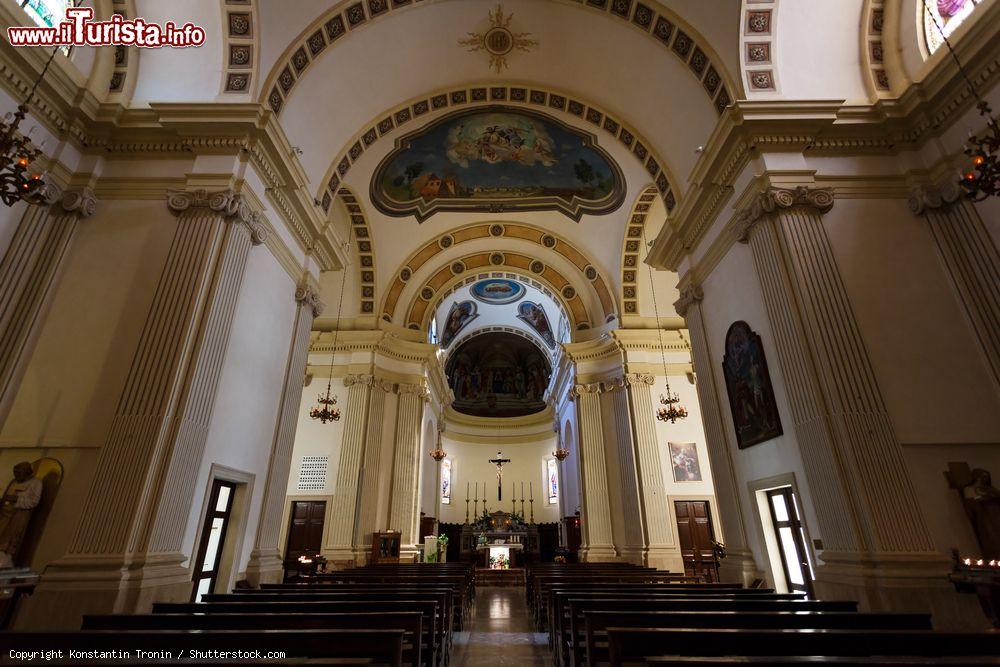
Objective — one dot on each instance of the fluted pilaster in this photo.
(598, 541)
(629, 537)
(369, 485)
(265, 559)
(862, 494)
(730, 524)
(29, 272)
(970, 257)
(404, 500)
(144, 490)
(340, 545)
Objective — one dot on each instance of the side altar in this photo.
(499, 540)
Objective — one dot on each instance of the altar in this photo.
(499, 540)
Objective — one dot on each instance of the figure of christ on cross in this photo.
(499, 461)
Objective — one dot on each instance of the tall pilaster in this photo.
(405, 498)
(28, 273)
(265, 563)
(340, 547)
(629, 537)
(971, 258)
(595, 507)
(863, 496)
(739, 565)
(138, 508)
(368, 491)
(661, 548)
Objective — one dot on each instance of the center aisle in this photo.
(501, 632)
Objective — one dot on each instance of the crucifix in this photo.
(499, 461)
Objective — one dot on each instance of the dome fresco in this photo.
(497, 159)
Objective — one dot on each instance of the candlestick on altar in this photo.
(532, 501)
(531, 491)
(513, 499)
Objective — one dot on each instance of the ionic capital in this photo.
(421, 391)
(690, 295)
(80, 201)
(44, 195)
(773, 199)
(368, 380)
(584, 389)
(932, 197)
(307, 297)
(228, 203)
(636, 379)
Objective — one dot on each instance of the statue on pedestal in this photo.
(19, 501)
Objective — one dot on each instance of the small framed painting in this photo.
(684, 461)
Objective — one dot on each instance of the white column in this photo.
(265, 563)
(629, 539)
(661, 547)
(739, 564)
(863, 496)
(595, 508)
(340, 537)
(137, 510)
(28, 273)
(403, 514)
(971, 258)
(368, 489)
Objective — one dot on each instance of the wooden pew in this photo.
(433, 630)
(569, 631)
(785, 660)
(383, 647)
(410, 622)
(633, 645)
(542, 582)
(596, 624)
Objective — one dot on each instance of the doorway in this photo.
(305, 532)
(790, 536)
(213, 538)
(695, 534)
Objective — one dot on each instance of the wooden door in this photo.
(305, 531)
(694, 530)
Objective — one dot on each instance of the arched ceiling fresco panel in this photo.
(499, 231)
(497, 159)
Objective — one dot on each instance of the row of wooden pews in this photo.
(385, 615)
(619, 614)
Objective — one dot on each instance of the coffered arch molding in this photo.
(659, 23)
(632, 250)
(364, 249)
(444, 280)
(556, 103)
(499, 230)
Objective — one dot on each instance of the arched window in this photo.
(552, 481)
(949, 14)
(46, 13)
(446, 482)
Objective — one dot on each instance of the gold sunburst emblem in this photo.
(499, 41)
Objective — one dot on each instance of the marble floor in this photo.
(500, 632)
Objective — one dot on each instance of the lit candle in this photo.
(522, 490)
(531, 490)
(466, 491)
(477, 491)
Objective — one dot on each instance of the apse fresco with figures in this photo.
(498, 374)
(497, 159)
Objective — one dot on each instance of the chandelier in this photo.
(670, 404)
(438, 454)
(982, 179)
(560, 453)
(17, 152)
(325, 411)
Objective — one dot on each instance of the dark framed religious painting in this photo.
(748, 382)
(461, 313)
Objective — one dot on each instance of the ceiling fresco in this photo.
(497, 159)
(497, 291)
(498, 374)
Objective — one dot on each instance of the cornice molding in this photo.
(924, 198)
(308, 297)
(228, 203)
(690, 295)
(773, 199)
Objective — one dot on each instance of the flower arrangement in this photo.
(560, 559)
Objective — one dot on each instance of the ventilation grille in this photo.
(312, 473)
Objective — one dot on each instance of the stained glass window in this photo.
(46, 13)
(949, 14)
(446, 482)
(552, 481)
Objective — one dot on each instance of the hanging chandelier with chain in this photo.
(670, 408)
(17, 152)
(327, 411)
(982, 179)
